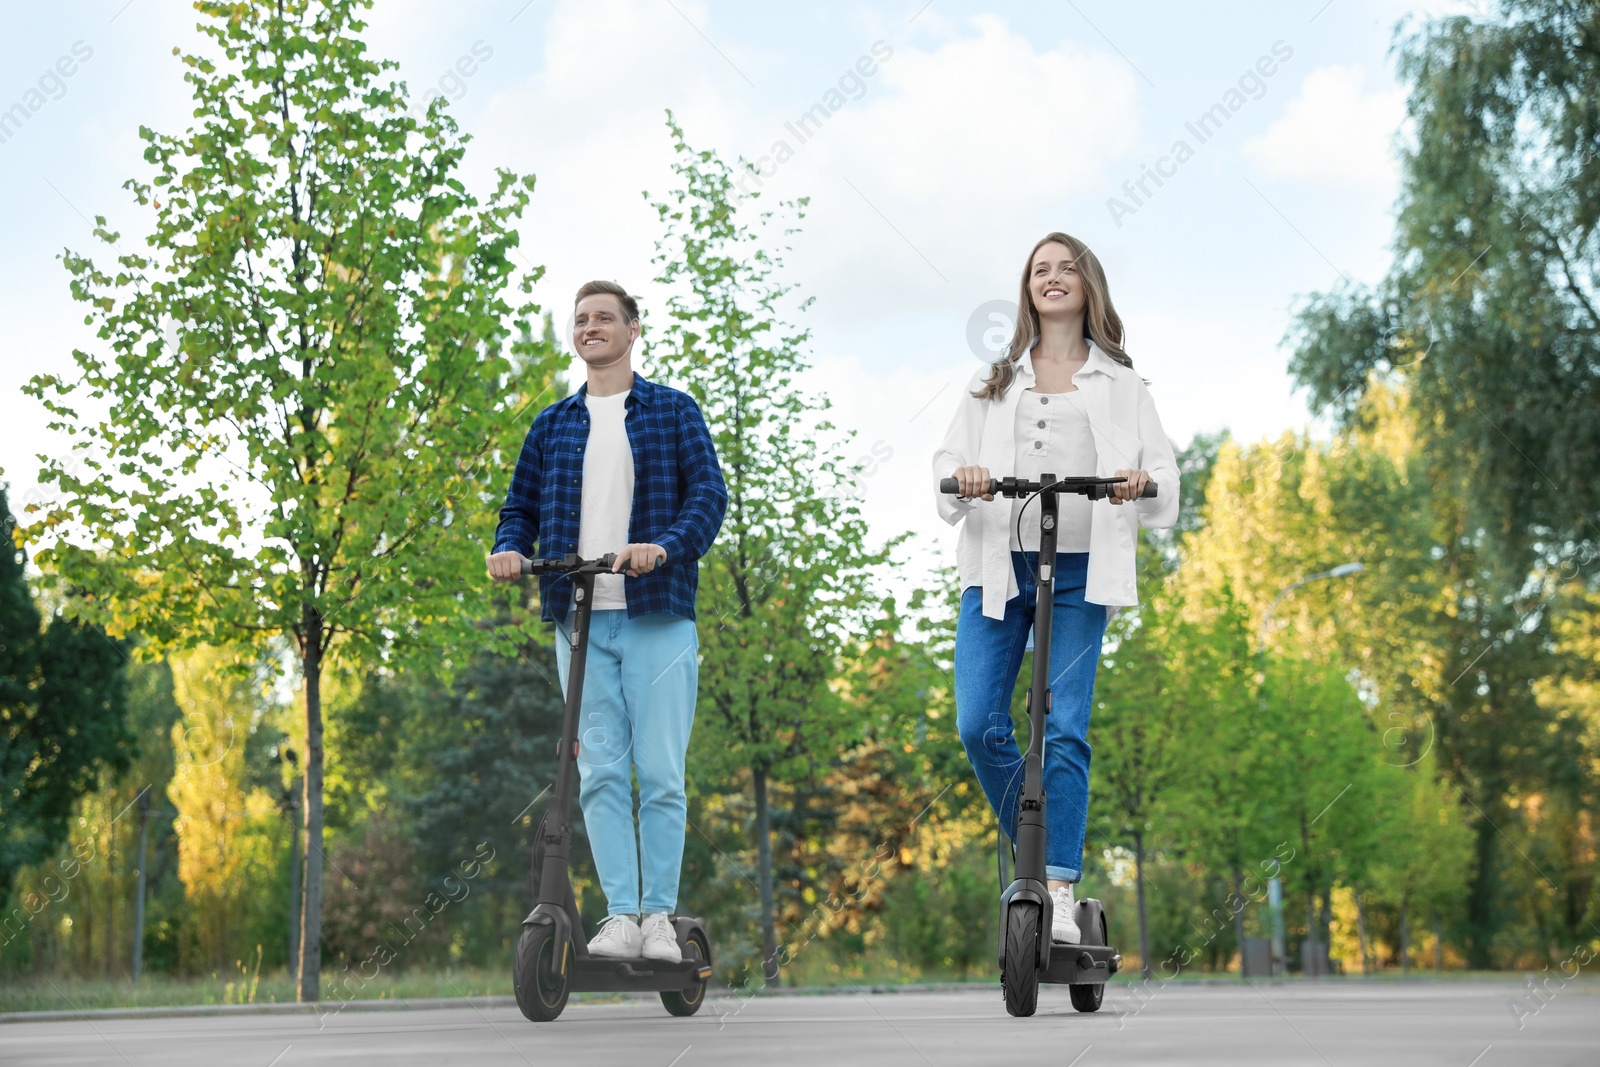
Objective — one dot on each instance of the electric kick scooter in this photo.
(552, 957)
(1027, 954)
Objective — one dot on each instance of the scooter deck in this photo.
(1081, 964)
(593, 974)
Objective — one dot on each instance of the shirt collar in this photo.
(643, 391)
(1097, 363)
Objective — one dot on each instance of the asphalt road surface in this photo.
(1453, 1024)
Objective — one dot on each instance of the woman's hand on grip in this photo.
(1130, 489)
(974, 482)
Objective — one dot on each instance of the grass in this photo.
(159, 990)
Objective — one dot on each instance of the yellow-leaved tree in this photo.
(228, 832)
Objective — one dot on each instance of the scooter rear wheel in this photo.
(1088, 996)
(1019, 977)
(688, 1001)
(541, 973)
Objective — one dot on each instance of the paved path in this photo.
(1452, 1024)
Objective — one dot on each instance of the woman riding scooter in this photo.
(1064, 398)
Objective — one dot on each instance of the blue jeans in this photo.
(988, 656)
(638, 708)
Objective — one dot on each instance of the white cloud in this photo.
(984, 120)
(970, 149)
(590, 124)
(966, 141)
(1333, 134)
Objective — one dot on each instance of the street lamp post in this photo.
(1274, 885)
(138, 900)
(291, 810)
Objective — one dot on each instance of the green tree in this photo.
(1328, 755)
(1491, 313)
(305, 376)
(1137, 730)
(63, 710)
(789, 586)
(1222, 811)
(1426, 858)
(1572, 693)
(1491, 319)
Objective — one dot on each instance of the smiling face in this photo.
(601, 332)
(1054, 282)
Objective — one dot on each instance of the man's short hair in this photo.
(630, 306)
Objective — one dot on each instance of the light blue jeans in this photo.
(988, 657)
(638, 708)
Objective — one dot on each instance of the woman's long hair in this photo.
(1101, 324)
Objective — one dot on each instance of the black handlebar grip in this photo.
(950, 485)
(527, 565)
(1149, 491)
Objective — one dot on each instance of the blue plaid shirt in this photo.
(678, 495)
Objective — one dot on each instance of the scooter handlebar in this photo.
(569, 564)
(996, 486)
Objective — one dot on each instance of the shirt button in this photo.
(1038, 444)
(1041, 424)
(1044, 400)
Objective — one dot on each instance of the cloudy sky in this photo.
(979, 128)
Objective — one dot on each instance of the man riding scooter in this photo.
(626, 466)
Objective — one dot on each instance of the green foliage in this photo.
(307, 376)
(788, 585)
(1491, 313)
(62, 716)
(1426, 844)
(1488, 325)
(788, 589)
(72, 909)
(432, 773)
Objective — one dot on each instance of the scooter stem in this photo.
(1031, 804)
(553, 886)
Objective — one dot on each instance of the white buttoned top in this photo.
(1053, 437)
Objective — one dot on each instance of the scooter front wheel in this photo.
(541, 973)
(1019, 976)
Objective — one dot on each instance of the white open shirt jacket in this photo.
(1127, 435)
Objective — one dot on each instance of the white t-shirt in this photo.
(607, 493)
(1053, 435)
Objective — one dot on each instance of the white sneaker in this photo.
(619, 938)
(660, 939)
(1064, 920)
